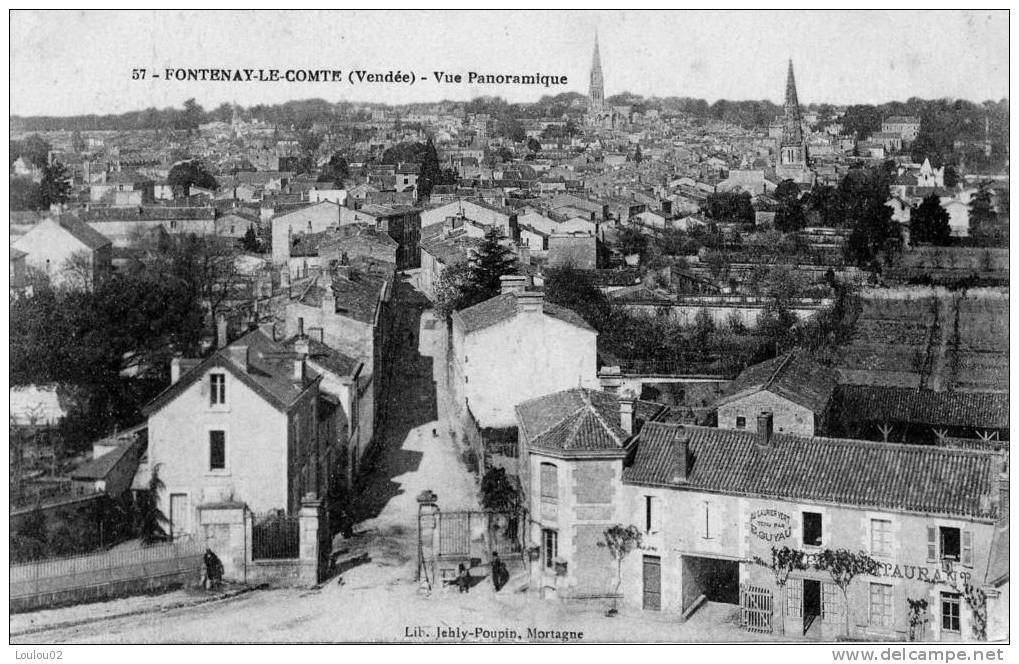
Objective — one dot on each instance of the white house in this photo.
(515, 347)
(68, 251)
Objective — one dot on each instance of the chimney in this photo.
(328, 297)
(530, 302)
(512, 283)
(220, 331)
(300, 326)
(298, 368)
(765, 427)
(175, 369)
(239, 355)
(680, 457)
(301, 346)
(626, 399)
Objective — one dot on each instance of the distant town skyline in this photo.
(75, 63)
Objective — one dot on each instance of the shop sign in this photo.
(770, 525)
(924, 573)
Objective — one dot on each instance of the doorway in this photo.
(178, 514)
(811, 603)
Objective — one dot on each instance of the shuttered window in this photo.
(967, 548)
(794, 598)
(549, 482)
(880, 537)
(880, 605)
(932, 543)
(831, 602)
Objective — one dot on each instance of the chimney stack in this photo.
(513, 283)
(301, 346)
(531, 303)
(328, 297)
(300, 326)
(626, 400)
(679, 454)
(220, 331)
(175, 369)
(298, 376)
(765, 427)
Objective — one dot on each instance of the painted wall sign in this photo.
(927, 574)
(770, 525)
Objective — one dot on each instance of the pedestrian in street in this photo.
(500, 575)
(463, 579)
(213, 570)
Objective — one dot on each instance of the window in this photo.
(880, 605)
(549, 546)
(652, 514)
(741, 423)
(811, 529)
(880, 537)
(950, 612)
(831, 599)
(217, 389)
(549, 482)
(950, 542)
(217, 450)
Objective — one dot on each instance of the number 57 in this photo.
(137, 74)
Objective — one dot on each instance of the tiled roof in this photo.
(356, 296)
(327, 357)
(573, 421)
(83, 233)
(793, 376)
(450, 251)
(269, 373)
(503, 307)
(915, 478)
(99, 468)
(872, 403)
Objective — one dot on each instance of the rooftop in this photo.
(914, 478)
(793, 376)
(504, 307)
(573, 421)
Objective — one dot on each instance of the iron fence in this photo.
(275, 536)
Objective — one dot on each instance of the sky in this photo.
(75, 62)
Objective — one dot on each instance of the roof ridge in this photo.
(602, 421)
(781, 367)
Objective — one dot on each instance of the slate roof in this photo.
(873, 403)
(575, 421)
(893, 476)
(269, 373)
(793, 376)
(503, 307)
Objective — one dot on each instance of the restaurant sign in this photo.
(770, 525)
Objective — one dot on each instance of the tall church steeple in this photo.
(793, 148)
(596, 91)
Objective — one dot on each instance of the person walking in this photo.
(463, 579)
(500, 575)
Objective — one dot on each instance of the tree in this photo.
(730, 207)
(150, 518)
(491, 260)
(455, 289)
(29, 540)
(928, 222)
(632, 241)
(533, 145)
(431, 174)
(843, 566)
(498, 492)
(25, 194)
(620, 541)
(637, 156)
(191, 173)
(704, 327)
(783, 562)
(55, 187)
(34, 149)
(982, 217)
(337, 170)
(250, 240)
(790, 216)
(574, 289)
(191, 117)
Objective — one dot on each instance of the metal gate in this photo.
(454, 533)
(652, 583)
(755, 608)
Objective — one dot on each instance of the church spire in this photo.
(792, 131)
(597, 88)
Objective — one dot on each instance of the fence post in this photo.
(310, 519)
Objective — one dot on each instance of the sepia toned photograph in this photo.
(510, 327)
